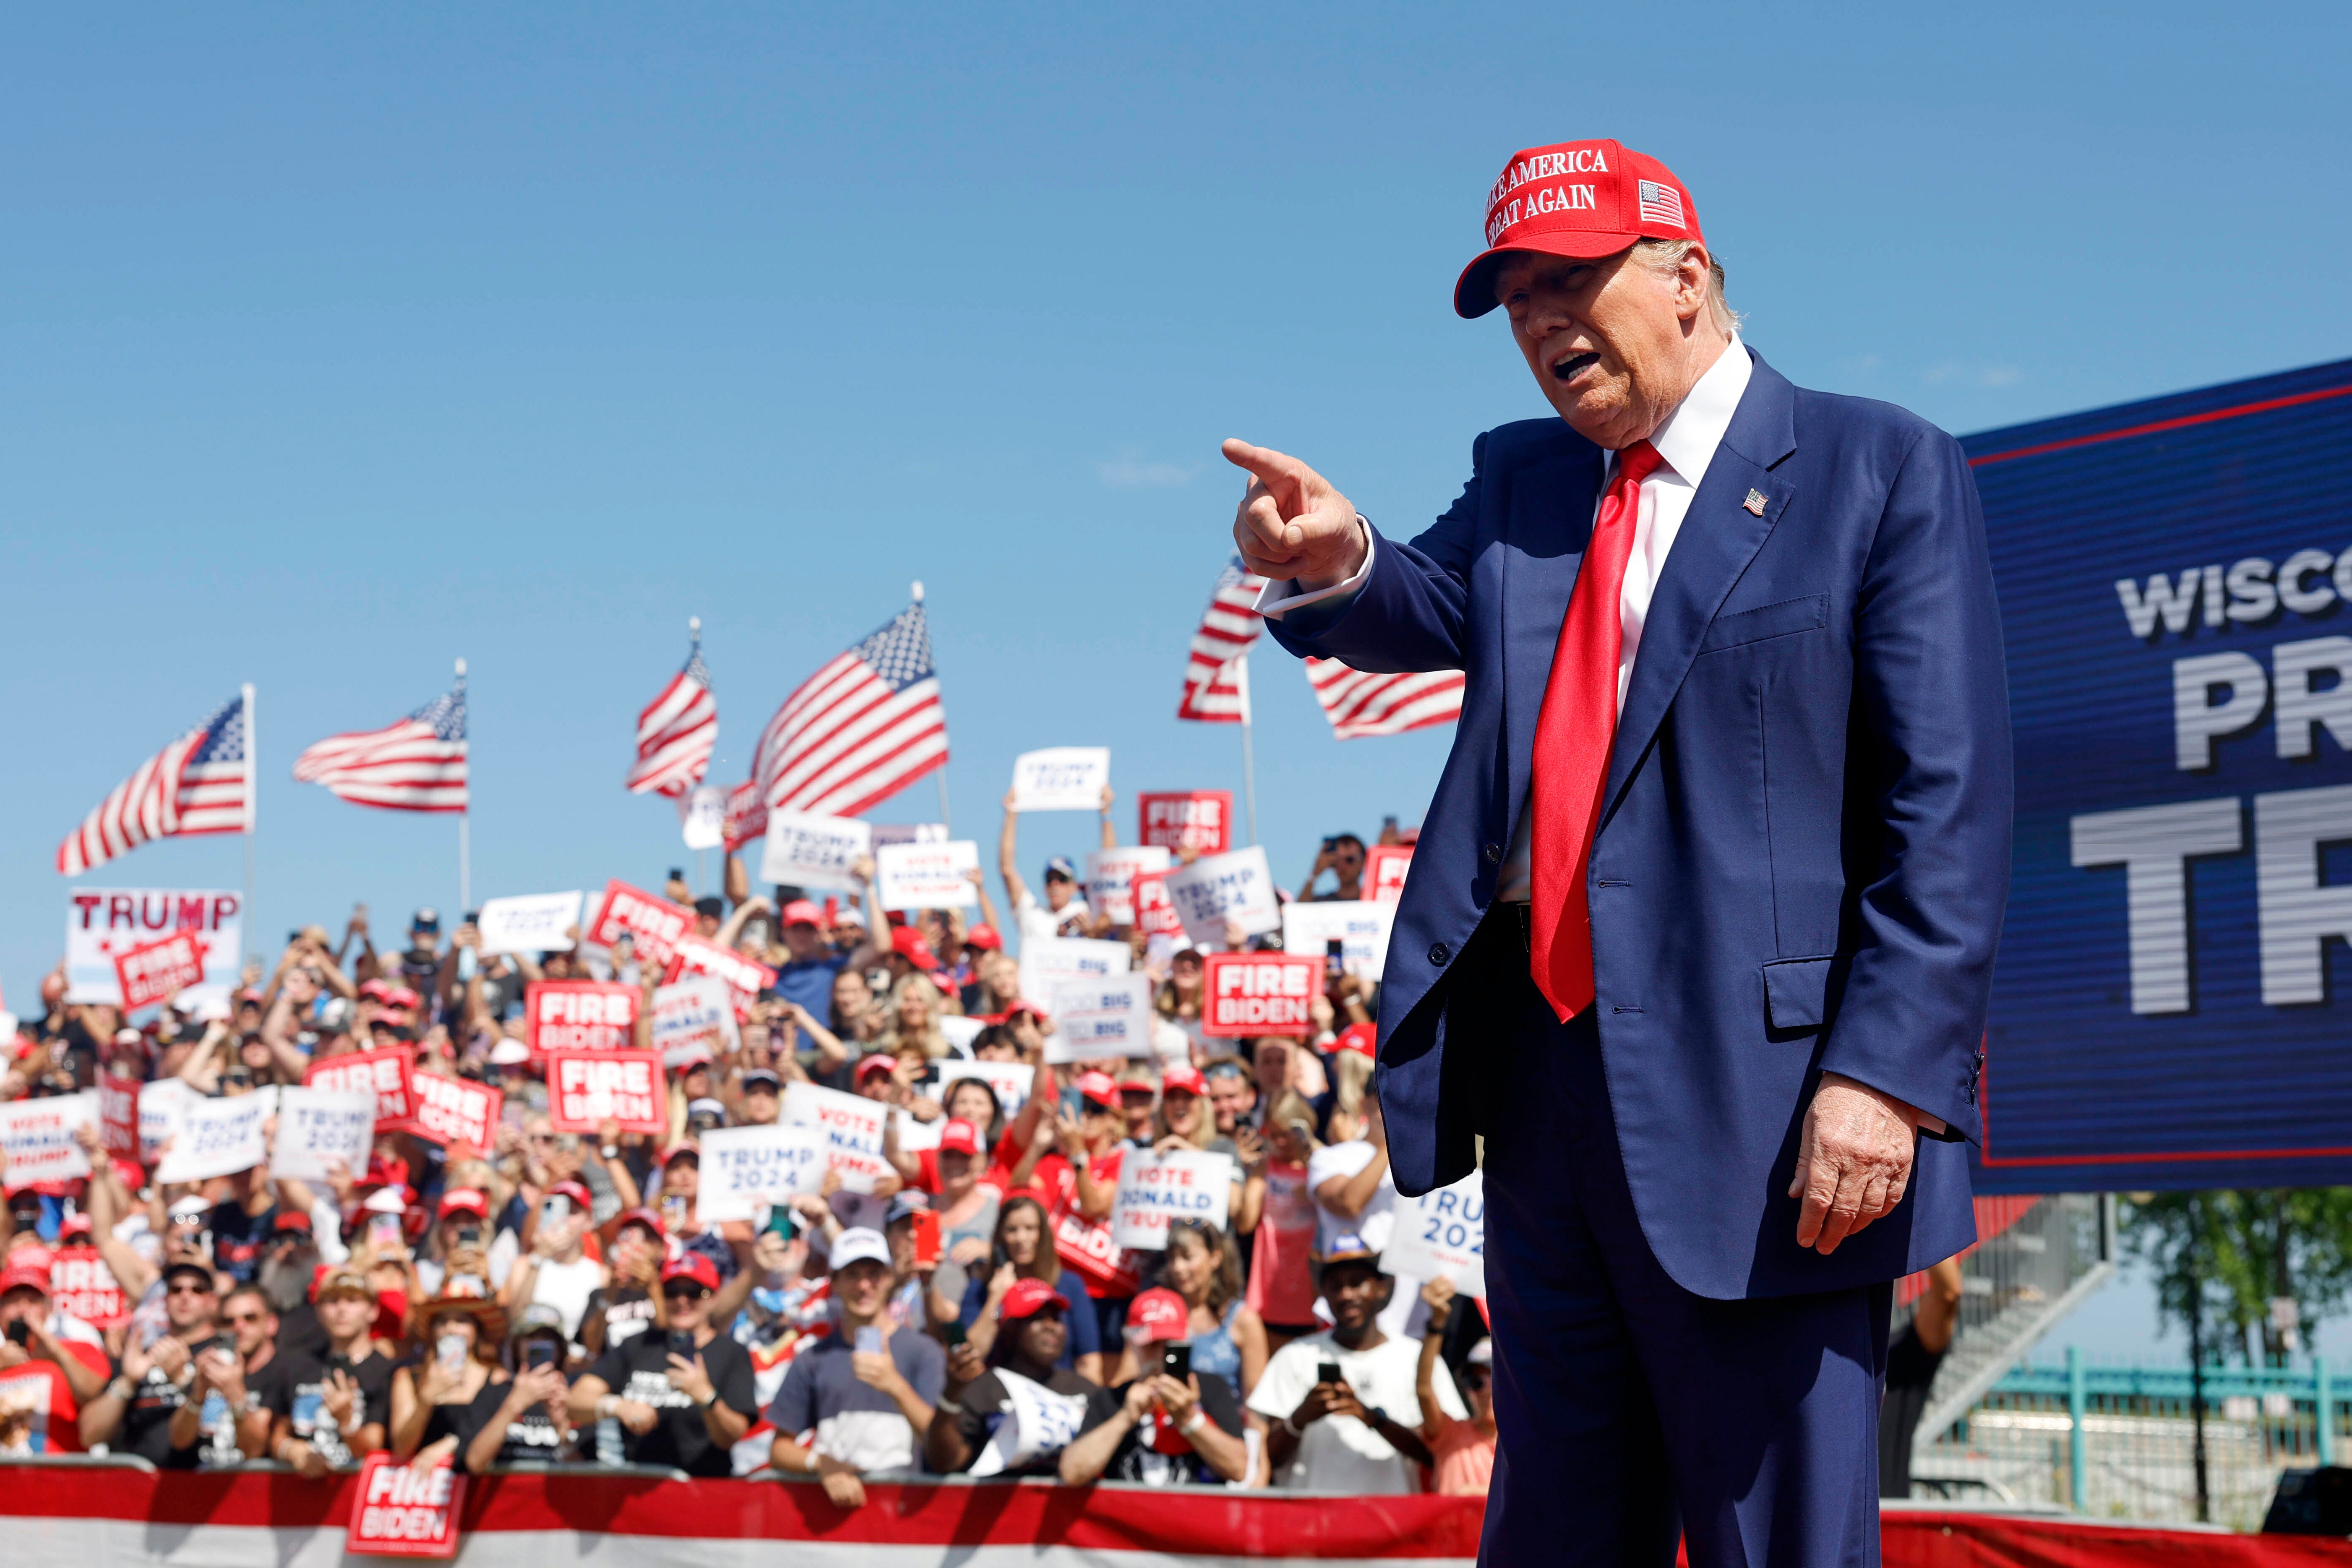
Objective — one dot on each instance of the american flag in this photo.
(416, 765)
(676, 731)
(201, 782)
(1359, 704)
(1213, 689)
(1662, 204)
(861, 729)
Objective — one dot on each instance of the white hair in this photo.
(1665, 257)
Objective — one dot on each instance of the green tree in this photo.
(2236, 1250)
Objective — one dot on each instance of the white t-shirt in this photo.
(1339, 1453)
(1376, 1220)
(565, 1286)
(1039, 923)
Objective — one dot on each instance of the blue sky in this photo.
(341, 342)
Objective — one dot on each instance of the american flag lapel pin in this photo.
(1754, 503)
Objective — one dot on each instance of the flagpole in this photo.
(1249, 764)
(466, 812)
(947, 821)
(252, 802)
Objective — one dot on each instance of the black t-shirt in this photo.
(638, 1369)
(1156, 1454)
(1910, 1371)
(238, 1236)
(535, 1440)
(299, 1332)
(294, 1385)
(627, 1312)
(147, 1423)
(987, 1405)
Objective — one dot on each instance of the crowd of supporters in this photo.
(555, 1299)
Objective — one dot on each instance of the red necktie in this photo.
(1573, 733)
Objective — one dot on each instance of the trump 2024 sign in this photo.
(2171, 1006)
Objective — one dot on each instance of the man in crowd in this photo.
(805, 979)
(251, 1327)
(989, 1429)
(1064, 912)
(329, 1410)
(154, 1408)
(1687, 1159)
(49, 1373)
(1341, 1405)
(1342, 854)
(1161, 1428)
(1233, 1093)
(862, 1398)
(682, 1395)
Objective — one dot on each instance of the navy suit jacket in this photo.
(1804, 840)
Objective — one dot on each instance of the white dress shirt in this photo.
(1687, 442)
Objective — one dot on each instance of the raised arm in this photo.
(1008, 854)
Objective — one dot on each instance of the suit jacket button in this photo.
(1438, 954)
(1494, 853)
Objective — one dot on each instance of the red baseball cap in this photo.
(581, 1199)
(1025, 1299)
(1100, 1088)
(290, 1219)
(1182, 1078)
(464, 1200)
(1578, 199)
(880, 1061)
(960, 1137)
(909, 943)
(984, 937)
(1364, 1039)
(1159, 1314)
(691, 1265)
(683, 1146)
(25, 1274)
(801, 912)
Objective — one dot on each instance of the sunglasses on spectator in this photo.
(188, 1221)
(685, 1292)
(187, 1288)
(245, 1317)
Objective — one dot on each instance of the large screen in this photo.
(2170, 1008)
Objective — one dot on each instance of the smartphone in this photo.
(780, 1220)
(336, 1363)
(537, 1353)
(554, 1211)
(1327, 1372)
(869, 1341)
(383, 1230)
(20, 1334)
(1176, 1361)
(926, 1237)
(954, 1333)
(469, 1236)
(1330, 844)
(681, 1344)
(1332, 965)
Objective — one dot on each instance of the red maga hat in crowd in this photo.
(1184, 1079)
(1575, 199)
(909, 943)
(1027, 1299)
(1159, 1314)
(984, 937)
(1100, 1088)
(691, 1265)
(1362, 1038)
(959, 1137)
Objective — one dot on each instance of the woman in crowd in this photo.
(1180, 996)
(556, 1271)
(1464, 1451)
(432, 1401)
(980, 1430)
(911, 1030)
(1024, 1250)
(855, 1020)
(1282, 1280)
(523, 1420)
(1228, 1336)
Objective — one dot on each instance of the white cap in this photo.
(858, 1242)
(385, 1200)
(510, 1053)
(1481, 1354)
(190, 1209)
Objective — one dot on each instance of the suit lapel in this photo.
(1719, 537)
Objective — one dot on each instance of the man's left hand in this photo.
(1853, 1161)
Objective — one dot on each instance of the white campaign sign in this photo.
(702, 817)
(103, 922)
(960, 1032)
(317, 1127)
(1061, 778)
(215, 1137)
(535, 922)
(804, 850)
(1107, 1017)
(909, 833)
(744, 1167)
(1155, 1189)
(159, 1114)
(1110, 876)
(1047, 962)
(1360, 928)
(1218, 888)
(851, 1126)
(39, 1137)
(915, 1135)
(927, 876)
(1443, 1232)
(694, 1018)
(1010, 1080)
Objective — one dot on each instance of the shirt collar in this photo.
(1688, 438)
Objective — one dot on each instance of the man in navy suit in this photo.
(1701, 922)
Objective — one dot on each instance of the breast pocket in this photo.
(1777, 620)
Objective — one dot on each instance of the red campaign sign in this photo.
(1201, 817)
(653, 924)
(82, 1285)
(1155, 911)
(389, 1075)
(1260, 994)
(579, 1015)
(452, 1111)
(745, 977)
(1384, 868)
(746, 817)
(118, 1114)
(401, 1512)
(153, 969)
(584, 1088)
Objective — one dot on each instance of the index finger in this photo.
(1281, 474)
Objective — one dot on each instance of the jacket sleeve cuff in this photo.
(1279, 599)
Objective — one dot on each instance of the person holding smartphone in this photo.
(526, 1420)
(1172, 1426)
(330, 1411)
(982, 1428)
(682, 1392)
(556, 1271)
(868, 1390)
(432, 1401)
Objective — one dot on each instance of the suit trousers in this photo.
(1628, 1407)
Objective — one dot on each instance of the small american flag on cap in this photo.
(1662, 203)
